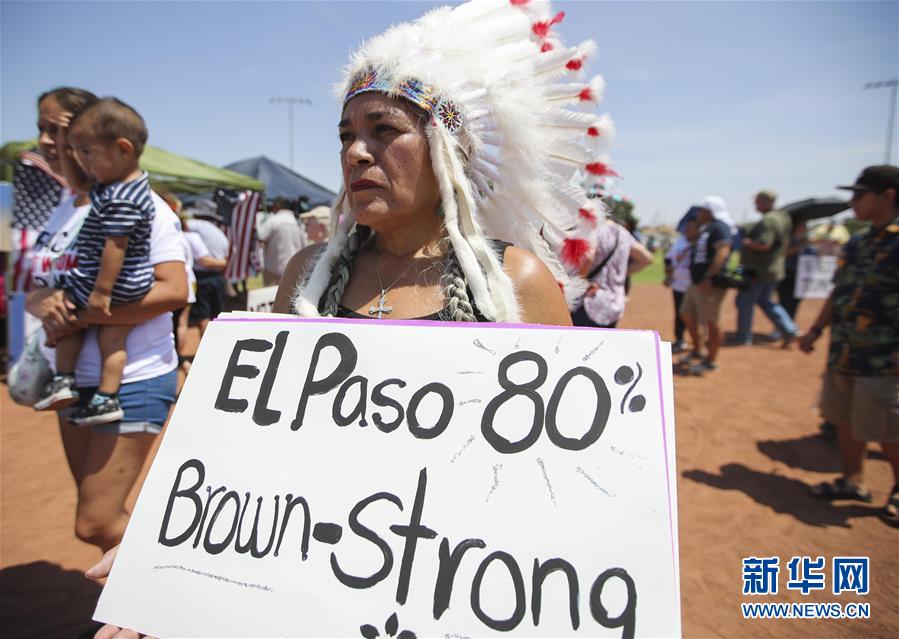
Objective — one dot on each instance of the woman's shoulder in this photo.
(298, 266)
(538, 292)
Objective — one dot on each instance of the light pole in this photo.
(290, 103)
(891, 121)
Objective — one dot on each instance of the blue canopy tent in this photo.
(282, 182)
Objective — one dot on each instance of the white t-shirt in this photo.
(283, 237)
(151, 345)
(679, 256)
(216, 242)
(194, 249)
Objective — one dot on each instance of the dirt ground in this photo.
(747, 450)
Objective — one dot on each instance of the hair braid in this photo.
(458, 305)
(340, 275)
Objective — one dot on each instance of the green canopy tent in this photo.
(167, 170)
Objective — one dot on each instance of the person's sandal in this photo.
(890, 512)
(840, 489)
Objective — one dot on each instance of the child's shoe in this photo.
(58, 393)
(102, 409)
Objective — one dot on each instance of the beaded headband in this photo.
(415, 91)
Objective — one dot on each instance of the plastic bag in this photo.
(30, 373)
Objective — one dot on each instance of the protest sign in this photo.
(326, 477)
(261, 300)
(814, 276)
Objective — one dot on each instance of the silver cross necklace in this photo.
(382, 308)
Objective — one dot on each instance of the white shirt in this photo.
(217, 244)
(283, 237)
(679, 256)
(150, 345)
(194, 249)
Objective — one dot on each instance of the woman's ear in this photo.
(125, 146)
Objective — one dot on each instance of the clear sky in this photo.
(708, 97)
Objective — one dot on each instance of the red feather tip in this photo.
(588, 215)
(575, 64)
(518, 3)
(598, 168)
(574, 251)
(561, 286)
(586, 95)
(593, 132)
(546, 46)
(541, 29)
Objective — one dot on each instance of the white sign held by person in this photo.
(355, 478)
(261, 300)
(814, 276)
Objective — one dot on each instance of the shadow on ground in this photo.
(811, 452)
(783, 495)
(41, 600)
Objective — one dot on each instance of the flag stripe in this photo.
(240, 234)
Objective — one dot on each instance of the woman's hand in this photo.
(55, 312)
(169, 293)
(114, 632)
(101, 569)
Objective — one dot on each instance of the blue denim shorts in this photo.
(146, 405)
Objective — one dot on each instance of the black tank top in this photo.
(441, 315)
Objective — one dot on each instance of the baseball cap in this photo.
(876, 178)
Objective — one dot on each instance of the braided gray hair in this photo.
(458, 305)
(340, 275)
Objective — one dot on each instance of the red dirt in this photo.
(747, 450)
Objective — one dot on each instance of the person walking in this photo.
(762, 256)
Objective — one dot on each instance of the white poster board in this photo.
(261, 300)
(347, 478)
(814, 276)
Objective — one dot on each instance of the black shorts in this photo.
(210, 297)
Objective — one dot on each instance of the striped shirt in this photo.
(121, 209)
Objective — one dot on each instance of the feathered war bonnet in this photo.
(512, 140)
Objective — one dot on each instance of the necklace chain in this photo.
(384, 289)
(382, 308)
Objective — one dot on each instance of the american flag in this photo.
(36, 192)
(241, 233)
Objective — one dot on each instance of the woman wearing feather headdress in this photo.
(463, 168)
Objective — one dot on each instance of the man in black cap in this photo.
(861, 385)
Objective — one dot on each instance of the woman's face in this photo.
(48, 114)
(386, 163)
